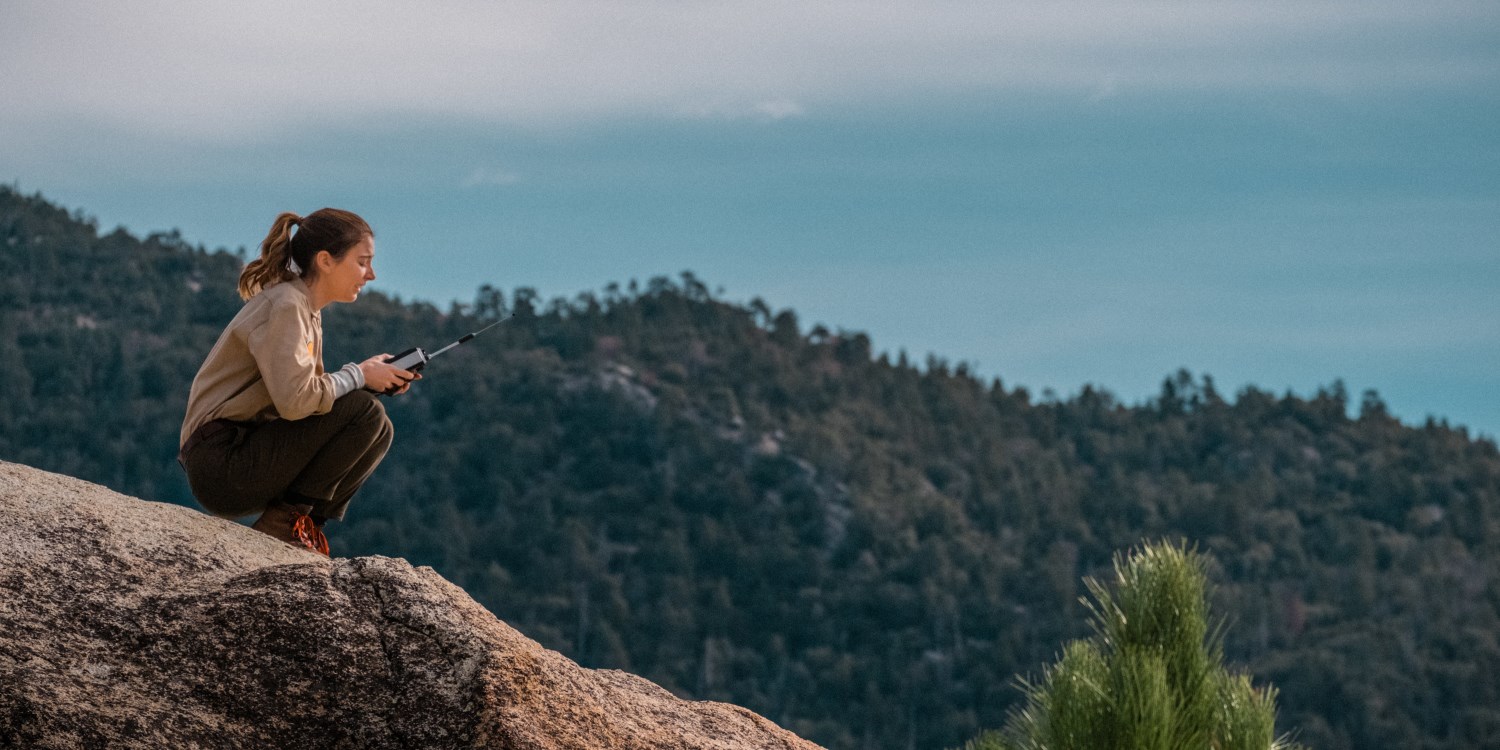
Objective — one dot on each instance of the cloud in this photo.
(224, 71)
(488, 176)
(769, 110)
(778, 109)
(1107, 88)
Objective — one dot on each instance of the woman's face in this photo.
(341, 279)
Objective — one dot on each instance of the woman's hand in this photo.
(383, 378)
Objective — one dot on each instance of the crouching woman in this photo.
(267, 429)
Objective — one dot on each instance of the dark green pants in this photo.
(326, 457)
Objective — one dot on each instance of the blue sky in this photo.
(1277, 194)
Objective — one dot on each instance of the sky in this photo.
(1275, 194)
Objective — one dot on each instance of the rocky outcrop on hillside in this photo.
(133, 624)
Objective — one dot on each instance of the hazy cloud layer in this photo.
(227, 71)
(1273, 192)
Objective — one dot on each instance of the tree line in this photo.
(742, 507)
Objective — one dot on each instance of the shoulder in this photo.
(284, 298)
(279, 302)
(281, 293)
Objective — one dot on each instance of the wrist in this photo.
(357, 372)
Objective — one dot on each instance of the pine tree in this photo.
(1150, 678)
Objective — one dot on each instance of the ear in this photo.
(324, 260)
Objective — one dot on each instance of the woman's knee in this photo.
(361, 399)
(370, 413)
(360, 406)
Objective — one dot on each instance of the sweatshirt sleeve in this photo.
(347, 379)
(285, 350)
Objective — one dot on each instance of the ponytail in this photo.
(271, 267)
(285, 255)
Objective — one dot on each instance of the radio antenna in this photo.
(465, 338)
(415, 358)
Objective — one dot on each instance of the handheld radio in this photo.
(415, 358)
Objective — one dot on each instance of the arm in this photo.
(347, 379)
(283, 347)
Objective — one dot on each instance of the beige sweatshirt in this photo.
(268, 364)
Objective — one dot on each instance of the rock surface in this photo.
(133, 624)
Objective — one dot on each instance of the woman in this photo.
(267, 430)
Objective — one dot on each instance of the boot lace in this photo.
(309, 535)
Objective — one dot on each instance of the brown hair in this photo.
(330, 229)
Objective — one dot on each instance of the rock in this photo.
(133, 624)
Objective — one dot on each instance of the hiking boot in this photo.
(310, 535)
(291, 524)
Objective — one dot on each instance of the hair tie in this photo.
(291, 265)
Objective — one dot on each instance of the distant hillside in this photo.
(710, 495)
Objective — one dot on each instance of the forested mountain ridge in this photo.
(737, 508)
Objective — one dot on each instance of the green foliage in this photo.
(738, 508)
(1150, 678)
